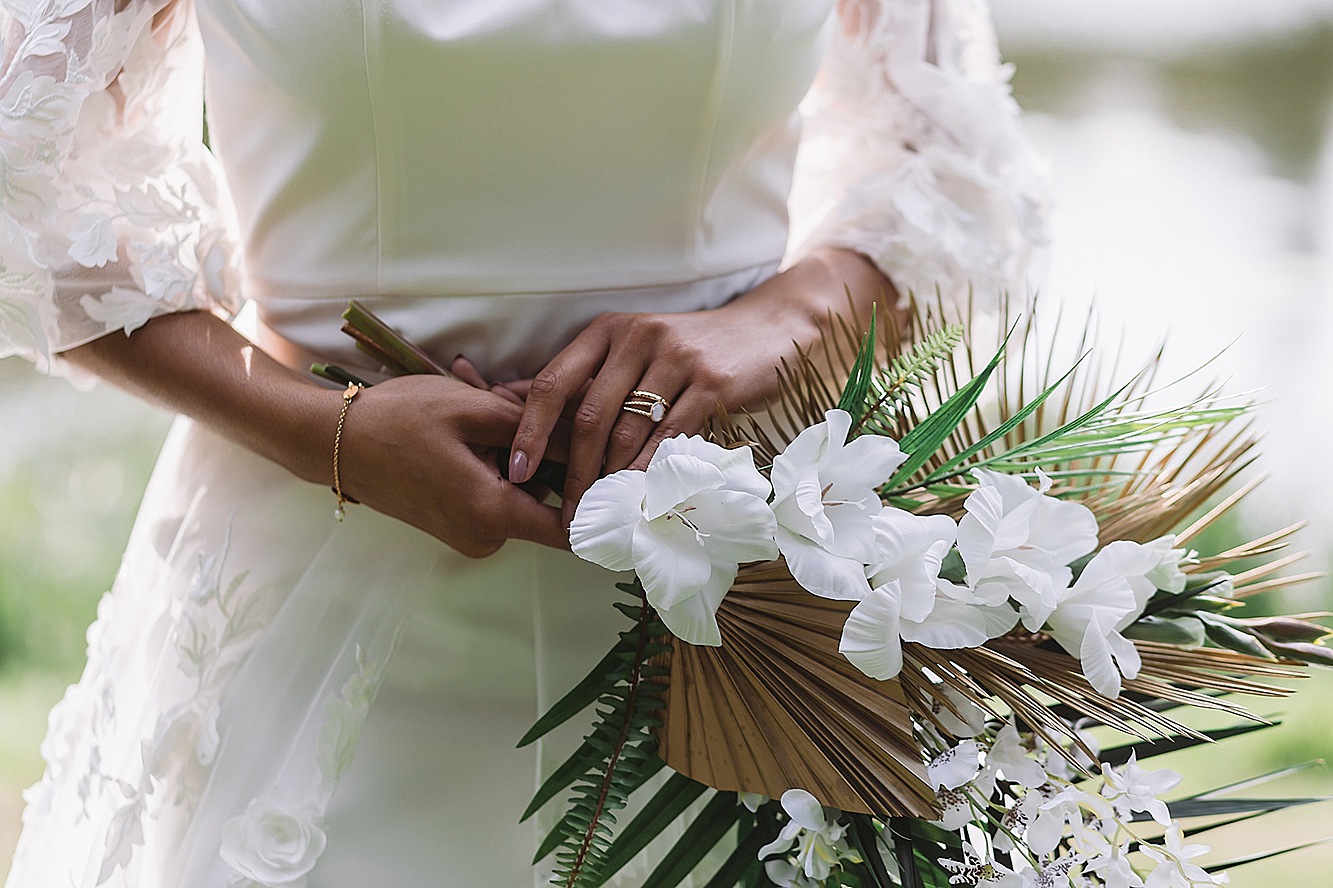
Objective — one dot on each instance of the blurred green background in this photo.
(1192, 158)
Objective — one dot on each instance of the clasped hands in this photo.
(437, 469)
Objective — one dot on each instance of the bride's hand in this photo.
(696, 361)
(422, 449)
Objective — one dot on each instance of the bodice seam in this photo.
(375, 143)
(695, 222)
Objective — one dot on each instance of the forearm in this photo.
(194, 363)
(798, 301)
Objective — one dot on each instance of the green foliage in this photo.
(922, 442)
(617, 756)
(857, 389)
(892, 384)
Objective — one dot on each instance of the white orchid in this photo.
(954, 766)
(816, 837)
(684, 525)
(1133, 788)
(1017, 542)
(960, 717)
(825, 497)
(1008, 757)
(1058, 812)
(1173, 868)
(1109, 595)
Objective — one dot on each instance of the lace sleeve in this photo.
(913, 152)
(113, 210)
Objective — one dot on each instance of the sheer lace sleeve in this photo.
(913, 152)
(113, 211)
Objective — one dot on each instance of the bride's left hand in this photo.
(698, 361)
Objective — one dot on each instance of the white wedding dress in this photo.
(488, 175)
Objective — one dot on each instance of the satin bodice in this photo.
(564, 156)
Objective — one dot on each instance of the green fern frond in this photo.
(617, 755)
(905, 373)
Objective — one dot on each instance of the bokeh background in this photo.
(1191, 147)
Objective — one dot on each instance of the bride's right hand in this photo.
(422, 449)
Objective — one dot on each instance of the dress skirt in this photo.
(241, 720)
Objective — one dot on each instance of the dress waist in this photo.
(507, 336)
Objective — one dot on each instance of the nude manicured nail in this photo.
(518, 467)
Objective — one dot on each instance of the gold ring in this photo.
(649, 404)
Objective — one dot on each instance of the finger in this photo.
(494, 423)
(631, 430)
(522, 517)
(548, 393)
(597, 414)
(519, 387)
(503, 391)
(687, 416)
(467, 372)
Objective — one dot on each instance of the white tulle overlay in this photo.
(274, 699)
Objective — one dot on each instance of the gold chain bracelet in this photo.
(352, 390)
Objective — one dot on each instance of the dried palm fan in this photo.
(776, 706)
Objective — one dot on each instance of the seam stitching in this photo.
(707, 135)
(375, 139)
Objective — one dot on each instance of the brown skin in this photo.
(696, 360)
(422, 448)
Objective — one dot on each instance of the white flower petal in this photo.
(737, 463)
(955, 766)
(1094, 655)
(1064, 531)
(956, 624)
(694, 619)
(739, 526)
(868, 460)
(871, 639)
(820, 572)
(670, 560)
(674, 479)
(602, 530)
(804, 809)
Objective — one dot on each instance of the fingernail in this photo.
(518, 467)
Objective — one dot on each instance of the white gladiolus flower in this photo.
(1133, 788)
(1167, 575)
(273, 844)
(1017, 542)
(910, 602)
(1109, 595)
(910, 549)
(824, 497)
(684, 525)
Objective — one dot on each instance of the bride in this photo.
(595, 213)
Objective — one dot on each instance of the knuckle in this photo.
(588, 418)
(711, 378)
(545, 384)
(624, 437)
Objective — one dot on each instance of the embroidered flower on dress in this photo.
(273, 844)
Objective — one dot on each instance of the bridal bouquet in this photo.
(882, 635)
